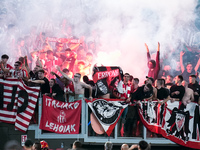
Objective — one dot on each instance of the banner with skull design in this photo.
(60, 117)
(107, 112)
(174, 121)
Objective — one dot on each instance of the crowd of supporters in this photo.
(60, 69)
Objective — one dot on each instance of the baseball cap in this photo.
(150, 79)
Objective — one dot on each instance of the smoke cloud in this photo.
(119, 27)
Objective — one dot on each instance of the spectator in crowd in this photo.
(142, 145)
(189, 68)
(168, 81)
(80, 53)
(91, 83)
(124, 147)
(143, 92)
(28, 145)
(177, 91)
(17, 72)
(154, 66)
(44, 145)
(36, 146)
(150, 80)
(4, 65)
(124, 95)
(59, 52)
(55, 91)
(42, 58)
(188, 96)
(69, 57)
(42, 81)
(193, 84)
(12, 145)
(78, 85)
(162, 93)
(22, 59)
(177, 71)
(21, 48)
(108, 145)
(76, 145)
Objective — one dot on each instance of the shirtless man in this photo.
(78, 85)
(189, 94)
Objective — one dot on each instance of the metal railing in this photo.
(93, 139)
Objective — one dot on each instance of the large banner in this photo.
(106, 77)
(107, 112)
(17, 102)
(173, 121)
(60, 117)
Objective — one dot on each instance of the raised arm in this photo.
(148, 54)
(64, 74)
(3, 68)
(181, 61)
(26, 64)
(197, 65)
(158, 58)
(88, 87)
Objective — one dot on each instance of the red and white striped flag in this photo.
(17, 102)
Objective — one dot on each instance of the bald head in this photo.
(124, 147)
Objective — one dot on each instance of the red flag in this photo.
(60, 117)
(17, 102)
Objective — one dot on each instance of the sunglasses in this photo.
(16, 65)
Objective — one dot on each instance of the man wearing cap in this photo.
(108, 145)
(78, 85)
(193, 84)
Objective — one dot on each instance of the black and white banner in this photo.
(173, 121)
(107, 112)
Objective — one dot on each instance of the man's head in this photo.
(124, 147)
(85, 79)
(108, 145)
(151, 64)
(158, 83)
(81, 65)
(89, 57)
(68, 52)
(36, 146)
(77, 77)
(135, 81)
(44, 145)
(143, 145)
(149, 80)
(148, 87)
(189, 67)
(28, 144)
(192, 79)
(4, 58)
(52, 82)
(18, 65)
(76, 144)
(50, 55)
(22, 59)
(184, 83)
(41, 74)
(59, 46)
(126, 77)
(179, 79)
(169, 79)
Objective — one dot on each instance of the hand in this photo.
(160, 102)
(182, 53)
(128, 100)
(58, 68)
(172, 100)
(158, 46)
(133, 147)
(90, 98)
(146, 47)
(195, 93)
(54, 94)
(177, 92)
(122, 98)
(53, 73)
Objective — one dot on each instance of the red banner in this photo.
(60, 117)
(174, 121)
(17, 102)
